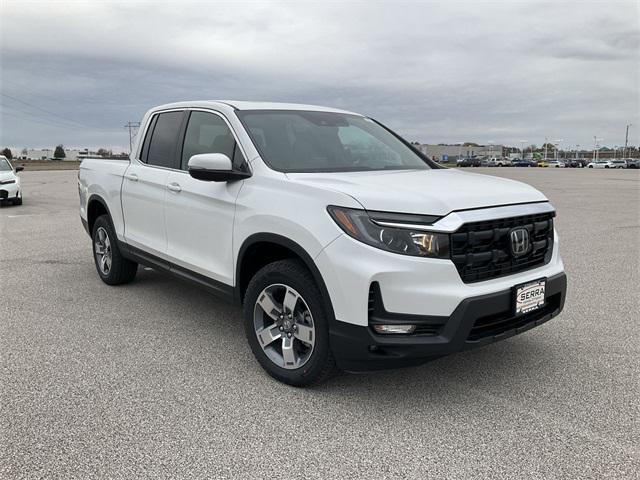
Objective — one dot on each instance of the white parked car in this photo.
(600, 164)
(345, 245)
(556, 164)
(618, 163)
(10, 188)
(496, 162)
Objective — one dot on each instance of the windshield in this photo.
(301, 141)
(5, 166)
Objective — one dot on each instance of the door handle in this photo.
(174, 187)
(131, 176)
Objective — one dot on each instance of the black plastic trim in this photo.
(97, 198)
(409, 218)
(378, 314)
(358, 348)
(220, 289)
(499, 205)
(218, 175)
(299, 251)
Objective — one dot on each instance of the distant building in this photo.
(443, 152)
(71, 154)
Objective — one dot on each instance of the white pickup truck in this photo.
(345, 245)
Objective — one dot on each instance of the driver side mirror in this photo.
(214, 167)
(19, 169)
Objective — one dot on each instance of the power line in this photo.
(71, 122)
(14, 111)
(40, 120)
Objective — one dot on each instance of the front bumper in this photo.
(9, 191)
(475, 322)
(409, 285)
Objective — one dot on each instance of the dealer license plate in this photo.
(530, 296)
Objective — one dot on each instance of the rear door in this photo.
(200, 214)
(145, 184)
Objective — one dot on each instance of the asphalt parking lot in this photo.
(155, 379)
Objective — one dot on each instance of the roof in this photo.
(246, 105)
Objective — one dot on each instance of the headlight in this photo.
(406, 240)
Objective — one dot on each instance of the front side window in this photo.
(4, 165)
(301, 141)
(163, 146)
(209, 133)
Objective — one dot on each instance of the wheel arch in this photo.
(259, 241)
(96, 206)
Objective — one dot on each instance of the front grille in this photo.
(482, 250)
(496, 324)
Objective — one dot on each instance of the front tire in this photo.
(112, 267)
(286, 324)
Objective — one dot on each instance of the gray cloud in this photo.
(435, 71)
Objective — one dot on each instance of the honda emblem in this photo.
(520, 242)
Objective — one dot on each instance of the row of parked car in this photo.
(569, 163)
(616, 163)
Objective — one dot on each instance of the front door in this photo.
(199, 214)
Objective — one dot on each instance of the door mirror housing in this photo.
(19, 169)
(214, 167)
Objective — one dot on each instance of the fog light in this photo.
(397, 329)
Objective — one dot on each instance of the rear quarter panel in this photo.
(102, 179)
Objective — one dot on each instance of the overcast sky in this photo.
(76, 72)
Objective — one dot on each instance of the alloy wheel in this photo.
(284, 326)
(102, 247)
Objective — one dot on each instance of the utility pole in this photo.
(558, 142)
(626, 141)
(545, 149)
(133, 130)
(596, 148)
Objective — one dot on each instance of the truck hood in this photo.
(428, 192)
(7, 176)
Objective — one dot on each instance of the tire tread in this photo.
(298, 272)
(122, 270)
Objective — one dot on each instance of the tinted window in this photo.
(299, 141)
(147, 139)
(164, 141)
(208, 133)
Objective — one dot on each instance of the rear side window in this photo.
(208, 133)
(147, 139)
(163, 147)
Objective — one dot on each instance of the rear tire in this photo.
(112, 267)
(300, 325)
